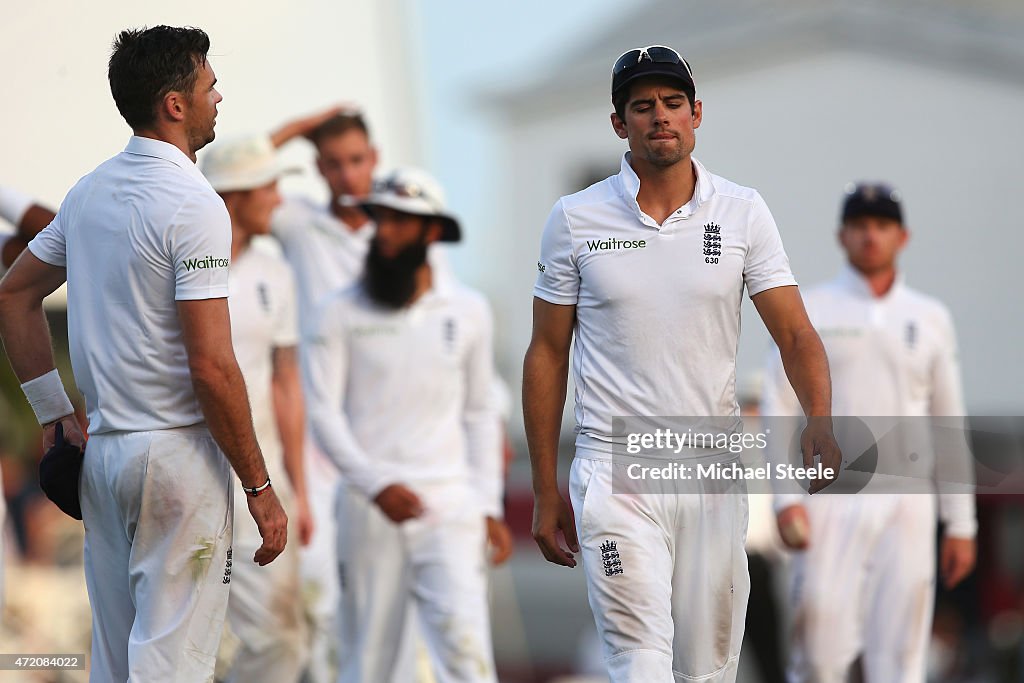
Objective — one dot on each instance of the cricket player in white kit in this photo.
(326, 245)
(143, 242)
(892, 352)
(403, 405)
(646, 270)
(264, 610)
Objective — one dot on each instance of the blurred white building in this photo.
(801, 97)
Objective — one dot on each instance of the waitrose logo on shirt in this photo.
(205, 263)
(612, 243)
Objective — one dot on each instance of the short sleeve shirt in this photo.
(141, 232)
(658, 306)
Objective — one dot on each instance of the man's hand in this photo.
(817, 438)
(956, 559)
(304, 126)
(72, 432)
(272, 522)
(551, 514)
(794, 527)
(304, 520)
(399, 503)
(499, 538)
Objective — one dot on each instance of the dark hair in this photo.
(620, 98)
(338, 124)
(148, 63)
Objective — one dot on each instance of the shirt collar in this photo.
(629, 187)
(149, 147)
(852, 280)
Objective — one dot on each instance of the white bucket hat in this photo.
(411, 190)
(243, 164)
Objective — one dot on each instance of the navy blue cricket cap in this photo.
(872, 199)
(653, 60)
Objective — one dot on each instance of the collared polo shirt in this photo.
(405, 396)
(657, 306)
(141, 232)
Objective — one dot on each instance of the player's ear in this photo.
(619, 126)
(904, 236)
(698, 113)
(173, 105)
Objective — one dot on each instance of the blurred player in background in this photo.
(892, 352)
(326, 246)
(144, 243)
(404, 405)
(264, 610)
(646, 269)
(26, 218)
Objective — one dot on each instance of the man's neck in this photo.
(424, 280)
(880, 281)
(663, 189)
(240, 241)
(172, 136)
(352, 216)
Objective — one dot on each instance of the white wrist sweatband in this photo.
(47, 397)
(13, 205)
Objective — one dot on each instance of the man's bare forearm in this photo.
(220, 390)
(544, 388)
(806, 366)
(290, 415)
(26, 338)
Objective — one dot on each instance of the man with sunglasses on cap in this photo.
(892, 352)
(263, 610)
(646, 270)
(403, 405)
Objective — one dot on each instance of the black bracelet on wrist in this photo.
(257, 490)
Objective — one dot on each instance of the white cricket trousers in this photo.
(157, 509)
(318, 564)
(864, 586)
(666, 575)
(436, 560)
(265, 610)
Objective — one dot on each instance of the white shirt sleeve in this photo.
(779, 400)
(14, 205)
(199, 245)
(953, 462)
(480, 418)
(558, 279)
(766, 265)
(325, 362)
(50, 245)
(286, 317)
(287, 219)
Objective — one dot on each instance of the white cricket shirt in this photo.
(263, 318)
(406, 396)
(657, 306)
(891, 355)
(142, 231)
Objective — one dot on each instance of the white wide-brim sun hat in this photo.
(416, 192)
(243, 163)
